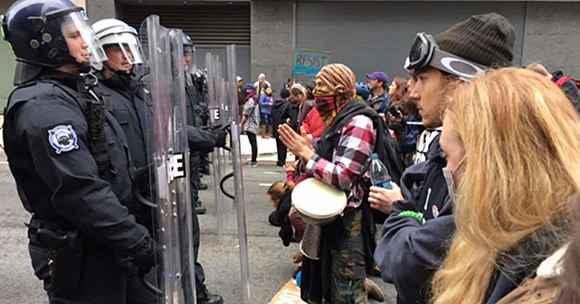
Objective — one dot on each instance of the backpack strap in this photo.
(383, 146)
(562, 80)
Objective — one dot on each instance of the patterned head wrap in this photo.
(335, 80)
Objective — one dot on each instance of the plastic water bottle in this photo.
(379, 174)
(299, 279)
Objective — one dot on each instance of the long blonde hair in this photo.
(522, 145)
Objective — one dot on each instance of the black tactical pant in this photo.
(97, 279)
(200, 288)
(195, 180)
(195, 162)
(205, 162)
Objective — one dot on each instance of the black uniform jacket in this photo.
(47, 145)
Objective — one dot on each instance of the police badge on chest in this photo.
(63, 138)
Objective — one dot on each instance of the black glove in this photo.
(220, 138)
(140, 258)
(145, 256)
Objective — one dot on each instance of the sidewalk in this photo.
(266, 149)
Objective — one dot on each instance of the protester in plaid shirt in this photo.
(338, 275)
(355, 146)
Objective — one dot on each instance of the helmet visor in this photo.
(81, 40)
(128, 44)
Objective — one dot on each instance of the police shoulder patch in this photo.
(63, 138)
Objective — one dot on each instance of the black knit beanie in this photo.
(484, 39)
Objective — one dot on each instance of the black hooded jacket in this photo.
(409, 252)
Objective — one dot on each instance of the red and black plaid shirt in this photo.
(355, 146)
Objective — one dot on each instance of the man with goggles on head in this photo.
(421, 223)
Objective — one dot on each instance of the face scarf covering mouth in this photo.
(326, 106)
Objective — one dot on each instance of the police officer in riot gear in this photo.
(127, 104)
(196, 116)
(67, 155)
(124, 98)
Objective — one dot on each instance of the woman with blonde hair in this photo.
(512, 141)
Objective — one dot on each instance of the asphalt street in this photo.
(270, 262)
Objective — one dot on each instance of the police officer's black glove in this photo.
(141, 258)
(145, 256)
(220, 138)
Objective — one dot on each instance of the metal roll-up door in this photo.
(212, 26)
(207, 24)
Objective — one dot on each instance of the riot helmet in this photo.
(188, 48)
(113, 33)
(51, 33)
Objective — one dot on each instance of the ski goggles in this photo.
(425, 52)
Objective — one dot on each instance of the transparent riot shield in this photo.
(236, 154)
(230, 205)
(216, 120)
(166, 86)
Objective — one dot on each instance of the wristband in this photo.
(418, 216)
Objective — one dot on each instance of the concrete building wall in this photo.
(271, 46)
(100, 9)
(553, 36)
(376, 35)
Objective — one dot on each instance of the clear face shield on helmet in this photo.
(132, 49)
(189, 57)
(81, 40)
(128, 44)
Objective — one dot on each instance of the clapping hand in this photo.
(299, 145)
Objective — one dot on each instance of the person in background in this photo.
(379, 98)
(299, 97)
(512, 167)
(251, 120)
(261, 85)
(266, 112)
(288, 84)
(284, 216)
(398, 91)
(569, 85)
(412, 128)
(313, 126)
(540, 69)
(362, 91)
(239, 86)
(283, 112)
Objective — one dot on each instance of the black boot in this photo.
(199, 208)
(209, 298)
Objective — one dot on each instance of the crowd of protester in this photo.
(485, 166)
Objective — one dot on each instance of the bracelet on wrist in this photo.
(418, 216)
